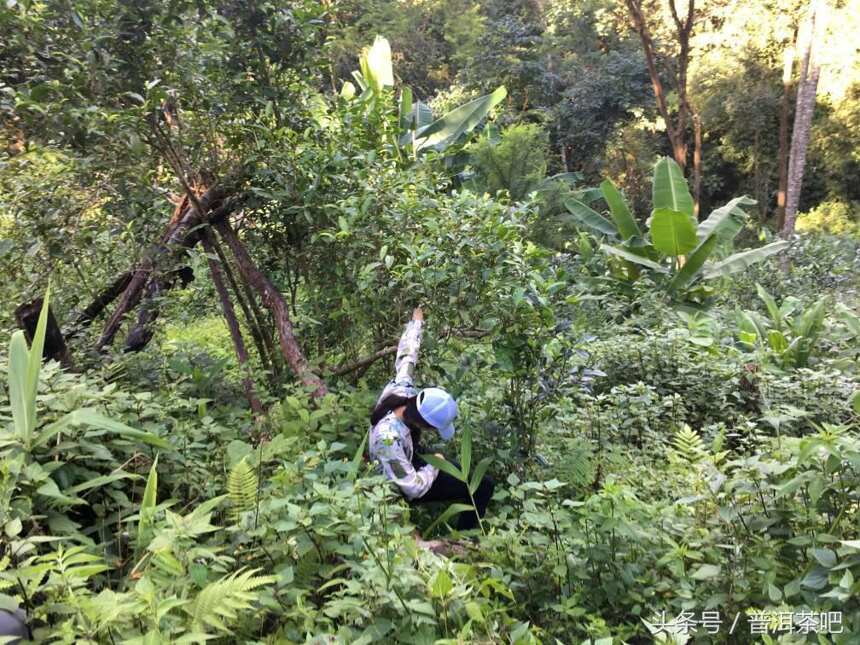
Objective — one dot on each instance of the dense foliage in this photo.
(667, 403)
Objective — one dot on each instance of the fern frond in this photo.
(219, 602)
(241, 489)
(688, 445)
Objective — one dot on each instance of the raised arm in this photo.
(407, 349)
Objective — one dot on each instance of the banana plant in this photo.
(419, 131)
(789, 332)
(676, 247)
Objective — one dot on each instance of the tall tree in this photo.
(676, 128)
(782, 160)
(807, 86)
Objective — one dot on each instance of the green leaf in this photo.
(404, 108)
(376, 64)
(147, 505)
(478, 475)
(357, 458)
(825, 557)
(672, 232)
(95, 482)
(695, 261)
(770, 303)
(445, 466)
(816, 579)
(742, 260)
(448, 513)
(23, 412)
(706, 572)
(726, 221)
(89, 417)
(466, 452)
(584, 215)
(632, 257)
(447, 129)
(442, 584)
(619, 210)
(669, 189)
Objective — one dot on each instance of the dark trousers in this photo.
(446, 488)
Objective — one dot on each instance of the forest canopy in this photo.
(629, 229)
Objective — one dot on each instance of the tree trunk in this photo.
(27, 316)
(782, 159)
(232, 324)
(697, 164)
(675, 128)
(274, 300)
(265, 349)
(804, 110)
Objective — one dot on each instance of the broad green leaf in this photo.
(422, 115)
(706, 572)
(442, 584)
(95, 482)
(673, 232)
(376, 64)
(619, 210)
(726, 221)
(404, 108)
(447, 514)
(632, 257)
(669, 190)
(348, 90)
(466, 452)
(89, 417)
(770, 303)
(587, 216)
(742, 260)
(357, 458)
(695, 261)
(148, 504)
(22, 409)
(445, 466)
(447, 129)
(37, 348)
(480, 470)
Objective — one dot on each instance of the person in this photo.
(401, 414)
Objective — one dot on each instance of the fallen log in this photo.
(173, 241)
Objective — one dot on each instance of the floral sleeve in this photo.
(407, 352)
(397, 467)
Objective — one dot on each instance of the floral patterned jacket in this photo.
(390, 439)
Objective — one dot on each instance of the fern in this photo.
(219, 602)
(578, 466)
(241, 489)
(688, 445)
